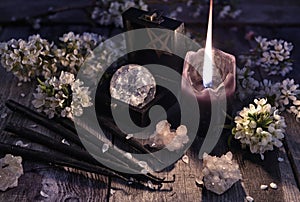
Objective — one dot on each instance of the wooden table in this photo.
(63, 185)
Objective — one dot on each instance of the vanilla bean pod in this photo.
(43, 120)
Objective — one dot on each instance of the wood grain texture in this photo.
(58, 184)
(61, 185)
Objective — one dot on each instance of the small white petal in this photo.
(249, 198)
(280, 159)
(144, 171)
(105, 147)
(143, 164)
(150, 184)
(4, 115)
(19, 84)
(129, 136)
(64, 141)
(263, 187)
(185, 159)
(112, 191)
(199, 182)
(21, 144)
(273, 185)
(33, 126)
(43, 194)
(22, 94)
(128, 155)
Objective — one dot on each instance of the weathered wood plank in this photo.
(292, 142)
(57, 183)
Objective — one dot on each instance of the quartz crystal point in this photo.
(10, 171)
(220, 173)
(133, 84)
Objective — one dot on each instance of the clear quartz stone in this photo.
(10, 171)
(134, 85)
(220, 173)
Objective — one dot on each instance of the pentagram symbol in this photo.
(158, 42)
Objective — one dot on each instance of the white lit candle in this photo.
(208, 58)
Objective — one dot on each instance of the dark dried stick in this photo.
(73, 152)
(60, 160)
(92, 141)
(43, 120)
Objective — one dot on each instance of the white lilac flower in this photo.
(246, 84)
(63, 97)
(110, 12)
(295, 109)
(289, 92)
(74, 48)
(274, 55)
(103, 56)
(227, 11)
(260, 127)
(269, 90)
(28, 59)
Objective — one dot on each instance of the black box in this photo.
(136, 19)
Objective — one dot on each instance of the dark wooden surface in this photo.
(271, 19)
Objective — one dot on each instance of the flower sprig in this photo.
(110, 12)
(63, 97)
(273, 56)
(27, 59)
(37, 57)
(260, 127)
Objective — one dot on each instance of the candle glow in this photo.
(208, 58)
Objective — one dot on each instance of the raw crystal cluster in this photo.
(171, 139)
(134, 85)
(220, 173)
(10, 171)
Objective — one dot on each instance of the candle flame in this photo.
(208, 58)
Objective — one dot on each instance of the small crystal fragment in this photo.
(185, 159)
(10, 170)
(22, 94)
(64, 141)
(105, 147)
(263, 187)
(129, 136)
(280, 159)
(220, 173)
(134, 85)
(19, 84)
(165, 137)
(43, 194)
(249, 198)
(3, 116)
(273, 185)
